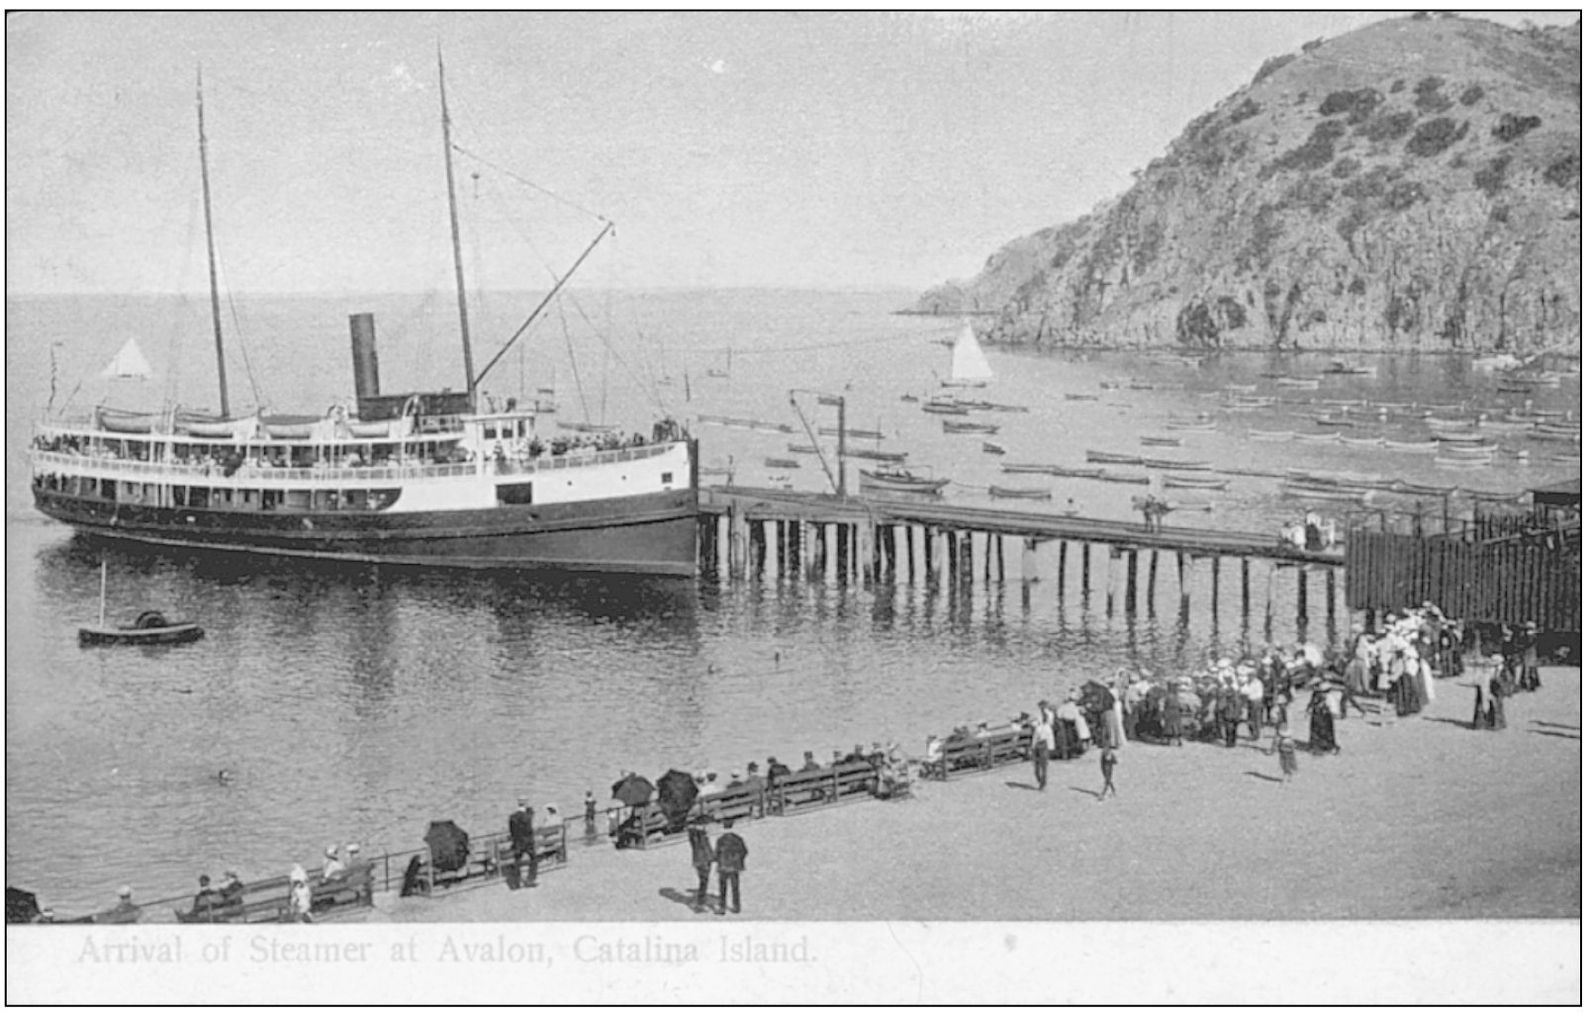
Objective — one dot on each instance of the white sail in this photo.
(968, 367)
(129, 362)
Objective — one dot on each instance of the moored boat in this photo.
(150, 628)
(1306, 491)
(944, 408)
(1270, 436)
(1194, 482)
(1134, 480)
(1074, 473)
(1172, 465)
(785, 463)
(872, 454)
(1113, 458)
(1020, 493)
(950, 426)
(1027, 468)
(1298, 383)
(899, 480)
(1418, 446)
(1152, 441)
(1362, 441)
(1331, 437)
(992, 447)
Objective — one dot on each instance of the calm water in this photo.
(360, 703)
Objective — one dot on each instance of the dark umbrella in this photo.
(632, 790)
(1096, 697)
(676, 792)
(21, 906)
(449, 846)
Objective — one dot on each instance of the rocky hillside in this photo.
(1411, 185)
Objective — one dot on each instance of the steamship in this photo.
(430, 478)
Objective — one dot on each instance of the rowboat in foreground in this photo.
(1151, 441)
(149, 628)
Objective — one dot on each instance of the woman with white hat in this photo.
(299, 897)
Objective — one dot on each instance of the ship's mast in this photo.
(457, 248)
(209, 239)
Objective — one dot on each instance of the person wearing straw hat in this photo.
(333, 867)
(702, 856)
(521, 833)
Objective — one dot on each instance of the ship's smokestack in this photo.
(366, 365)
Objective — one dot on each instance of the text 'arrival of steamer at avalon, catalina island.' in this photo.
(441, 478)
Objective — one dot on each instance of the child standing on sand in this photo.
(1107, 761)
(1288, 755)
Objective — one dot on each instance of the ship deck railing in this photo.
(254, 475)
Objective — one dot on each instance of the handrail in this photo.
(252, 475)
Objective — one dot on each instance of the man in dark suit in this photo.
(521, 829)
(701, 857)
(731, 853)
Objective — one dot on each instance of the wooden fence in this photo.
(1506, 580)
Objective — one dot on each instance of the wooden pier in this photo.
(748, 531)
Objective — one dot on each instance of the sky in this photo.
(795, 150)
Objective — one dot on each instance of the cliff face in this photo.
(1411, 185)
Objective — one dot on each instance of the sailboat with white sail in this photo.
(968, 367)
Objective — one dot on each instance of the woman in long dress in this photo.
(1321, 723)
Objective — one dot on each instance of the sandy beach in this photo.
(1417, 818)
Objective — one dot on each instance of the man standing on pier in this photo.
(1042, 744)
(731, 853)
(521, 831)
(701, 857)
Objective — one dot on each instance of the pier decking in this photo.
(747, 531)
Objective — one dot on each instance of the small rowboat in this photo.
(899, 480)
(1363, 441)
(1019, 493)
(1021, 468)
(1334, 420)
(1135, 480)
(1468, 450)
(950, 426)
(1443, 462)
(1270, 436)
(1340, 402)
(1112, 458)
(371, 430)
(908, 397)
(1303, 491)
(1319, 438)
(833, 431)
(1435, 422)
(945, 408)
(870, 454)
(1298, 383)
(781, 463)
(149, 628)
(993, 406)
(1341, 368)
(990, 447)
(1193, 482)
(1560, 436)
(1160, 441)
(1177, 466)
(1075, 473)
(1199, 426)
(1423, 489)
(1451, 437)
(1411, 445)
(1081, 397)
(802, 448)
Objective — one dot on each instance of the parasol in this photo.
(676, 793)
(632, 790)
(1096, 697)
(448, 844)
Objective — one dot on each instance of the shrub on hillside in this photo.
(1311, 192)
(1388, 126)
(1404, 195)
(1355, 218)
(1345, 167)
(1492, 177)
(1316, 152)
(1271, 65)
(1397, 86)
(1513, 126)
(1429, 99)
(1434, 136)
(1245, 111)
(1471, 94)
(1359, 103)
(1565, 171)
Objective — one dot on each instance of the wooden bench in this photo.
(738, 803)
(551, 847)
(974, 754)
(652, 830)
(271, 900)
(801, 788)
